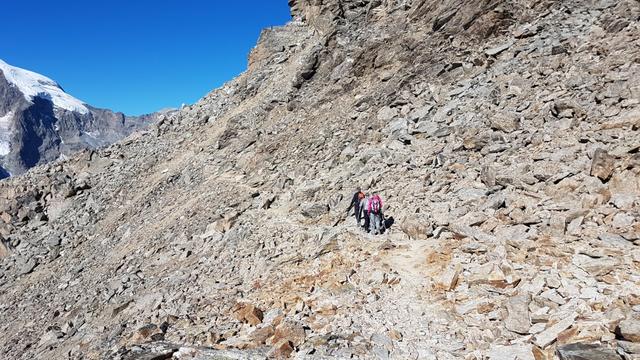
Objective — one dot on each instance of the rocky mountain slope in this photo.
(39, 122)
(502, 136)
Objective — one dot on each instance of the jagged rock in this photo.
(550, 334)
(282, 350)
(27, 266)
(505, 123)
(248, 313)
(491, 274)
(623, 220)
(4, 248)
(558, 225)
(386, 113)
(511, 352)
(416, 228)
(380, 353)
(525, 31)
(629, 347)
(314, 210)
(623, 201)
(518, 310)
(201, 353)
(53, 240)
(488, 176)
(51, 337)
(289, 331)
(498, 49)
(629, 330)
(580, 351)
(147, 333)
(399, 130)
(449, 278)
(602, 165)
(6, 217)
(595, 266)
(471, 232)
(615, 240)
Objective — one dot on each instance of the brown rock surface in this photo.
(248, 313)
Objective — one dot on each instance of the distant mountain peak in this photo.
(33, 85)
(40, 122)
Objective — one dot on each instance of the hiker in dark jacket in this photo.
(356, 203)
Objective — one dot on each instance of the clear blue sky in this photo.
(135, 56)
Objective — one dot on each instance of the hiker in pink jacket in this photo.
(374, 212)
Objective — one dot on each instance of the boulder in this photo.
(282, 350)
(314, 210)
(289, 331)
(308, 66)
(518, 310)
(629, 330)
(629, 347)
(4, 248)
(247, 313)
(27, 266)
(398, 130)
(505, 123)
(386, 113)
(449, 278)
(427, 127)
(550, 334)
(147, 333)
(416, 227)
(602, 164)
(615, 240)
(581, 351)
(498, 49)
(623, 220)
(6, 217)
(488, 175)
(472, 232)
(511, 352)
(595, 266)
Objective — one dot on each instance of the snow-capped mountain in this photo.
(34, 85)
(40, 122)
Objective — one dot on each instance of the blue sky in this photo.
(135, 56)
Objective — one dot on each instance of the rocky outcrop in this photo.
(501, 135)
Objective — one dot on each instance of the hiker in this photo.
(374, 212)
(356, 203)
(364, 214)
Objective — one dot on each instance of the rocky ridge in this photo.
(502, 135)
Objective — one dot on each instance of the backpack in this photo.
(375, 204)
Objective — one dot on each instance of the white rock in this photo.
(550, 334)
(623, 220)
(511, 352)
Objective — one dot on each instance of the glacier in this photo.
(33, 85)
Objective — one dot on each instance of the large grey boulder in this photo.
(580, 351)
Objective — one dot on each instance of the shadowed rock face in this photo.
(36, 132)
(502, 137)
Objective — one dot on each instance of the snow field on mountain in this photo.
(34, 85)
